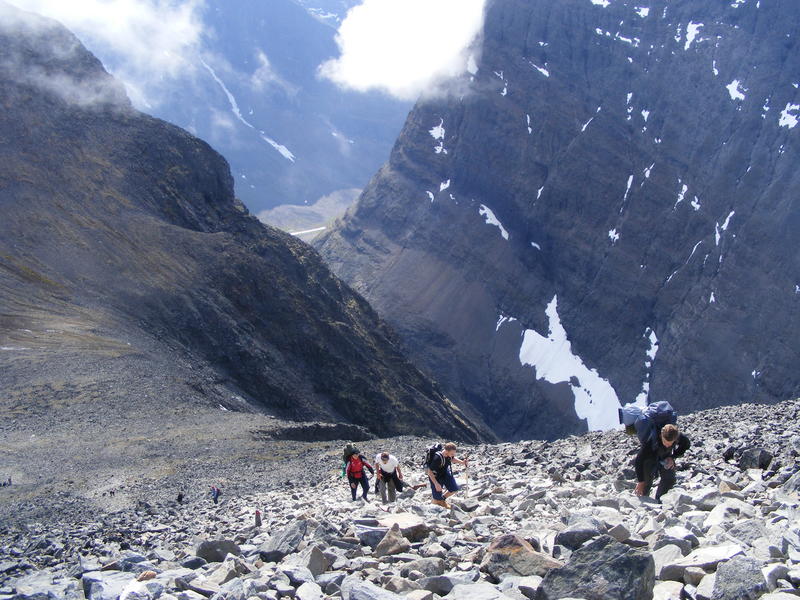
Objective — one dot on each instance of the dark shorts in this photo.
(448, 483)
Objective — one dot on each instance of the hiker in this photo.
(354, 469)
(389, 475)
(180, 497)
(215, 494)
(440, 473)
(656, 457)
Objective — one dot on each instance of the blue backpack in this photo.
(647, 422)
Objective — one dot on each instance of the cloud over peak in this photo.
(403, 47)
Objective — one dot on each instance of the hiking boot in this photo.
(442, 503)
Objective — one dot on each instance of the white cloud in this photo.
(145, 43)
(403, 46)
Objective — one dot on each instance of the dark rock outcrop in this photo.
(606, 208)
(121, 241)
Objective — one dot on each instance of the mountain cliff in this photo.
(604, 209)
(128, 271)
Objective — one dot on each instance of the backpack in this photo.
(647, 422)
(348, 451)
(430, 453)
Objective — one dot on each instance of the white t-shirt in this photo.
(388, 466)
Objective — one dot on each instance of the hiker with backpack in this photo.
(390, 478)
(658, 458)
(355, 463)
(660, 444)
(438, 462)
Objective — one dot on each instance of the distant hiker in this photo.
(438, 461)
(180, 497)
(258, 518)
(215, 494)
(389, 475)
(656, 457)
(354, 469)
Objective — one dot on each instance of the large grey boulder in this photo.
(354, 588)
(475, 591)
(392, 543)
(216, 550)
(103, 585)
(429, 567)
(283, 543)
(603, 569)
(442, 584)
(706, 558)
(740, 578)
(510, 554)
(755, 458)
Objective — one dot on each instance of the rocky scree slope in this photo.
(121, 242)
(538, 520)
(614, 175)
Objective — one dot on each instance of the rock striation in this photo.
(128, 270)
(723, 532)
(601, 209)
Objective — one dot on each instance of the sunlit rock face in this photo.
(603, 210)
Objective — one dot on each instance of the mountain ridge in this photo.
(619, 173)
(122, 238)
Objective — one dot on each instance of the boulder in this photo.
(475, 591)
(354, 588)
(283, 543)
(312, 558)
(442, 584)
(602, 569)
(755, 458)
(510, 554)
(216, 550)
(414, 528)
(739, 578)
(577, 534)
(392, 543)
(429, 567)
(370, 536)
(309, 591)
(706, 558)
(668, 590)
(102, 585)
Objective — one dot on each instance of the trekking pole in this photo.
(466, 477)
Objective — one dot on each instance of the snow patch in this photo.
(714, 68)
(603, 3)
(641, 399)
(681, 194)
(535, 245)
(539, 193)
(787, 119)
(444, 185)
(437, 133)
(696, 204)
(642, 11)
(712, 299)
(487, 213)
(541, 70)
(735, 90)
(552, 358)
(613, 236)
(648, 170)
(503, 319)
(645, 115)
(472, 65)
(285, 152)
(307, 231)
(530, 129)
(430, 195)
(692, 29)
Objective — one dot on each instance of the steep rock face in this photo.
(605, 208)
(121, 240)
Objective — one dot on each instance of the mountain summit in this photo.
(133, 282)
(604, 210)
